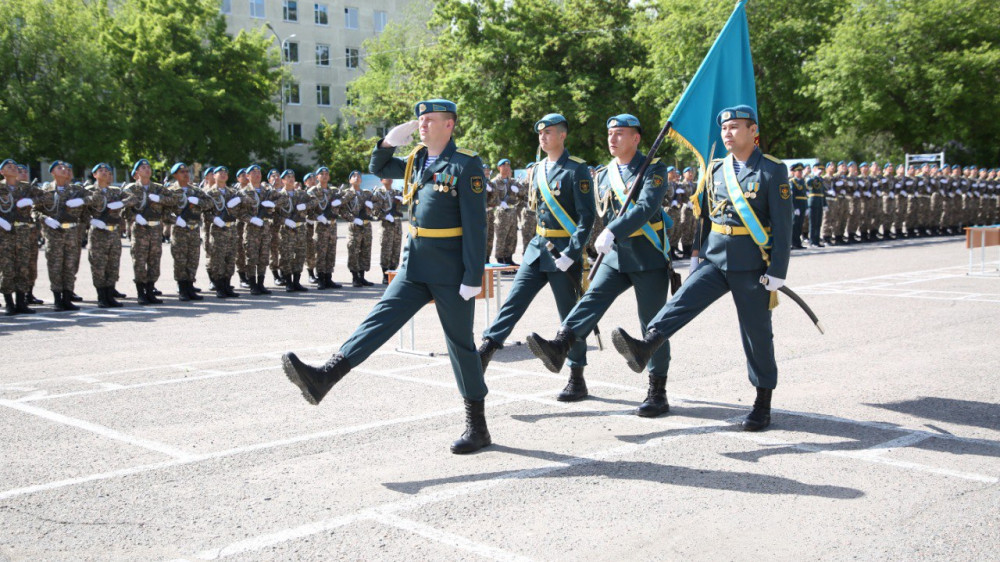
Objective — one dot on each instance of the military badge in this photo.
(657, 181)
(477, 184)
(726, 115)
(541, 126)
(614, 123)
(585, 186)
(423, 107)
(784, 191)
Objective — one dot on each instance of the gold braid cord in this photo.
(409, 186)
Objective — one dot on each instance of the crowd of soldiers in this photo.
(247, 227)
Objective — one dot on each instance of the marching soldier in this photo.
(222, 211)
(361, 211)
(61, 207)
(147, 203)
(327, 210)
(817, 206)
(259, 202)
(444, 261)
(104, 205)
(390, 203)
(874, 203)
(509, 193)
(189, 204)
(637, 255)
(800, 199)
(292, 214)
(566, 209)
(746, 252)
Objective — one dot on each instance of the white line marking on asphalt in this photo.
(450, 539)
(98, 429)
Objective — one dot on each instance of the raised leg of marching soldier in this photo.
(257, 247)
(275, 253)
(310, 235)
(147, 249)
(528, 223)
(392, 239)
(326, 254)
(185, 247)
(359, 253)
(104, 255)
(62, 256)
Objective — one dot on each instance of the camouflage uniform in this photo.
(529, 222)
(62, 241)
(492, 200)
(20, 244)
(222, 237)
(687, 225)
(510, 194)
(855, 205)
(672, 205)
(390, 203)
(105, 251)
(326, 211)
(256, 239)
(147, 240)
(291, 216)
(359, 239)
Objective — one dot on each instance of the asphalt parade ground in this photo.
(171, 433)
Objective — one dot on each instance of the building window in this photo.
(290, 10)
(351, 18)
(322, 55)
(322, 14)
(257, 9)
(292, 94)
(381, 19)
(227, 7)
(353, 59)
(291, 51)
(323, 95)
(295, 132)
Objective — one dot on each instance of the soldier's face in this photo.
(272, 179)
(9, 170)
(689, 176)
(355, 180)
(183, 176)
(841, 170)
(255, 176)
(103, 176)
(505, 171)
(144, 172)
(797, 173)
(672, 175)
(738, 134)
(387, 183)
(435, 128)
(550, 138)
(221, 177)
(22, 174)
(61, 173)
(854, 170)
(288, 181)
(324, 177)
(623, 141)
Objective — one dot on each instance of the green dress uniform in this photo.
(800, 203)
(565, 221)
(817, 203)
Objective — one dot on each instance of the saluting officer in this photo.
(565, 207)
(749, 208)
(637, 255)
(444, 261)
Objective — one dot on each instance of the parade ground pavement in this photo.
(170, 432)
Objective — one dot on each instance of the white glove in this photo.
(154, 198)
(301, 206)
(857, 194)
(400, 134)
(771, 283)
(398, 198)
(181, 222)
(564, 263)
(115, 205)
(675, 203)
(336, 202)
(604, 241)
(233, 202)
(217, 221)
(193, 200)
(268, 204)
(503, 205)
(390, 218)
(51, 222)
(96, 223)
(467, 292)
(489, 189)
(290, 223)
(323, 219)
(359, 222)
(141, 220)
(369, 205)
(695, 264)
(74, 203)
(5, 225)
(22, 203)
(514, 188)
(256, 221)
(797, 213)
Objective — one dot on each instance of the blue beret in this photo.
(139, 163)
(549, 120)
(241, 171)
(852, 163)
(353, 172)
(502, 162)
(308, 176)
(271, 172)
(954, 166)
(736, 112)
(220, 169)
(797, 166)
(828, 164)
(253, 167)
(287, 173)
(176, 167)
(863, 164)
(624, 120)
(671, 169)
(8, 161)
(322, 169)
(688, 169)
(435, 106)
(209, 170)
(841, 163)
(22, 167)
(53, 165)
(96, 167)
(888, 165)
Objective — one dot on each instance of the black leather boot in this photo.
(486, 351)
(255, 288)
(141, 296)
(576, 388)
(297, 282)
(116, 294)
(182, 294)
(220, 287)
(364, 282)
(331, 283)
(21, 302)
(356, 279)
(321, 281)
(109, 295)
(289, 284)
(279, 279)
(552, 353)
(312, 275)
(67, 298)
(191, 293)
(151, 294)
(314, 382)
(476, 434)
(73, 297)
(227, 282)
(154, 292)
(57, 303)
(385, 277)
(10, 309)
(243, 280)
(32, 299)
(260, 285)
(102, 298)
(760, 416)
(636, 352)
(655, 403)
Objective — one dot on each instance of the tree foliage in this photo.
(342, 148)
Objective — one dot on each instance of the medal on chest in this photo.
(752, 189)
(445, 183)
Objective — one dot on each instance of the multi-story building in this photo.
(321, 44)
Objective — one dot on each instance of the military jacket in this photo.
(508, 190)
(254, 197)
(99, 198)
(219, 199)
(569, 181)
(800, 194)
(768, 177)
(184, 208)
(288, 206)
(139, 202)
(52, 203)
(449, 193)
(10, 195)
(634, 253)
(816, 191)
(328, 202)
(389, 202)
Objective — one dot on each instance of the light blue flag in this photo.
(724, 79)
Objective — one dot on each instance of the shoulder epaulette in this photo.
(654, 160)
(467, 152)
(578, 160)
(773, 159)
(600, 168)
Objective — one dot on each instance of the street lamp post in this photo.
(281, 131)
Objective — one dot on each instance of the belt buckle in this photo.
(728, 230)
(66, 225)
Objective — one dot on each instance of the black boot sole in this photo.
(291, 364)
(627, 349)
(572, 396)
(538, 350)
(467, 447)
(754, 425)
(652, 412)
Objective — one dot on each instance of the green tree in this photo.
(341, 148)
(927, 72)
(56, 96)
